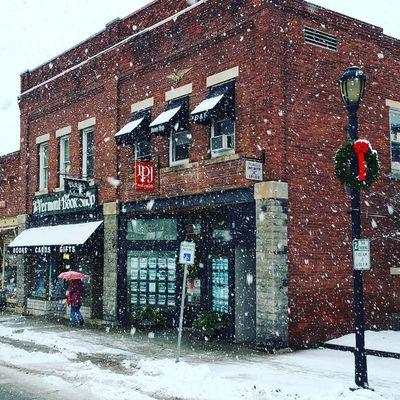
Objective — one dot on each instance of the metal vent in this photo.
(320, 39)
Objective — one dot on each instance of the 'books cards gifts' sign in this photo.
(145, 176)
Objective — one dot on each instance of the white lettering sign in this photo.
(254, 170)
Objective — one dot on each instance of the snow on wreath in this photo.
(367, 161)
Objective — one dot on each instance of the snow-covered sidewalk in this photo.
(61, 363)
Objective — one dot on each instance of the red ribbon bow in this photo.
(361, 148)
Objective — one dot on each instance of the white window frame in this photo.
(65, 165)
(395, 165)
(43, 168)
(84, 133)
(136, 158)
(173, 162)
(221, 153)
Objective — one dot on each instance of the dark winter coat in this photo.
(76, 292)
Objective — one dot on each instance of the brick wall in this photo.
(288, 104)
(10, 199)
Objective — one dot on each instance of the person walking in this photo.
(75, 294)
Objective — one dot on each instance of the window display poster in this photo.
(152, 262)
(171, 263)
(152, 274)
(152, 287)
(162, 263)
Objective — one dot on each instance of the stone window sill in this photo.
(222, 158)
(42, 192)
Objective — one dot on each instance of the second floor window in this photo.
(222, 136)
(395, 140)
(179, 147)
(88, 153)
(143, 150)
(43, 166)
(65, 163)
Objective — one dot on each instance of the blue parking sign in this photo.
(186, 254)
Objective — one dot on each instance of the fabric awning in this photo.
(219, 103)
(135, 129)
(50, 239)
(175, 116)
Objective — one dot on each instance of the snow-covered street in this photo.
(55, 362)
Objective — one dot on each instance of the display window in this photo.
(10, 276)
(44, 280)
(152, 278)
(152, 229)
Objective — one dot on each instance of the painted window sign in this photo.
(145, 176)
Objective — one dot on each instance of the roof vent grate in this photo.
(320, 39)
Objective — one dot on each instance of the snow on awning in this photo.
(206, 105)
(220, 103)
(135, 129)
(128, 128)
(166, 117)
(175, 116)
(50, 239)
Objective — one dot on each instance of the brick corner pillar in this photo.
(22, 278)
(110, 213)
(271, 264)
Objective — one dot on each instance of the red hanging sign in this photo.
(145, 176)
(361, 148)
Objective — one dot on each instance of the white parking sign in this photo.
(186, 253)
(361, 254)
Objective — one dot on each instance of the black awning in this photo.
(136, 129)
(220, 103)
(175, 116)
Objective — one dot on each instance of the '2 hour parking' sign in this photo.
(361, 254)
(186, 253)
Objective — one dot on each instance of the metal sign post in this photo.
(186, 257)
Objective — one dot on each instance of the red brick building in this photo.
(10, 208)
(199, 91)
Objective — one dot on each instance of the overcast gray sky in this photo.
(34, 31)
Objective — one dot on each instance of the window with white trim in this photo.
(394, 118)
(43, 166)
(143, 150)
(179, 147)
(65, 163)
(223, 136)
(88, 153)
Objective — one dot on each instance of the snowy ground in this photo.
(61, 363)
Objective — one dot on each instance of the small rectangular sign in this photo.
(145, 176)
(361, 255)
(254, 170)
(187, 253)
(76, 187)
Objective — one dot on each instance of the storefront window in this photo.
(220, 285)
(39, 278)
(10, 276)
(222, 231)
(152, 278)
(152, 229)
(56, 286)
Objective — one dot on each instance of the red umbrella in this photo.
(70, 275)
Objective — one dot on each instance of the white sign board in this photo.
(361, 254)
(254, 170)
(186, 253)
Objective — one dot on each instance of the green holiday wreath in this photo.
(342, 170)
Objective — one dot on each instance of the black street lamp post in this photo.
(352, 85)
